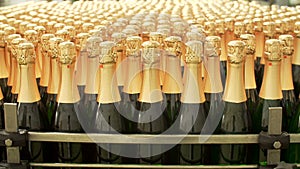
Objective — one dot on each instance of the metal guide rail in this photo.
(273, 140)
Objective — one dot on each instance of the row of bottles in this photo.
(149, 73)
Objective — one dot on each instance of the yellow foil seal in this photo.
(287, 42)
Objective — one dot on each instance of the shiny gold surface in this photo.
(239, 28)
(236, 52)
(107, 52)
(273, 50)
(287, 42)
(67, 52)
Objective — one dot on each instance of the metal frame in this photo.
(275, 115)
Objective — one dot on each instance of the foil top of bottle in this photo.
(93, 46)
(12, 37)
(173, 45)
(258, 24)
(119, 37)
(269, 28)
(58, 26)
(9, 30)
(81, 39)
(239, 28)
(45, 41)
(26, 53)
(150, 53)
(67, 52)
(229, 24)
(107, 52)
(287, 42)
(212, 46)
(273, 51)
(86, 27)
(194, 52)
(54, 42)
(64, 34)
(297, 29)
(236, 52)
(133, 45)
(2, 37)
(71, 30)
(249, 26)
(220, 26)
(15, 45)
(210, 28)
(249, 40)
(40, 31)
(31, 36)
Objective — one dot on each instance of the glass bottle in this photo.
(30, 110)
(192, 115)
(68, 112)
(108, 120)
(259, 50)
(235, 118)
(3, 67)
(296, 60)
(132, 88)
(270, 94)
(150, 118)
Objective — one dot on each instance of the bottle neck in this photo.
(133, 75)
(7, 58)
(16, 79)
(68, 91)
(3, 66)
(223, 56)
(1, 95)
(193, 89)
(12, 71)
(45, 71)
(29, 92)
(249, 72)
(172, 80)
(213, 82)
(260, 44)
(108, 89)
(120, 66)
(38, 70)
(81, 67)
(91, 80)
(229, 36)
(271, 85)
(54, 77)
(151, 91)
(286, 73)
(296, 57)
(235, 84)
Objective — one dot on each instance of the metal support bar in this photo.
(11, 125)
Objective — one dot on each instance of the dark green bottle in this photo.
(151, 119)
(108, 119)
(235, 119)
(192, 114)
(31, 111)
(68, 114)
(270, 94)
(296, 60)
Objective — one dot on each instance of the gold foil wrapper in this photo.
(273, 50)
(286, 73)
(287, 42)
(172, 79)
(296, 57)
(81, 39)
(133, 76)
(107, 52)
(26, 53)
(91, 82)
(1, 95)
(239, 28)
(3, 68)
(250, 82)
(64, 34)
(236, 52)
(213, 83)
(67, 52)
(55, 74)
(108, 92)
(119, 39)
(249, 40)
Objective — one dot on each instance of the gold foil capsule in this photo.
(30, 26)
(297, 29)
(130, 32)
(273, 50)
(64, 34)
(26, 53)
(12, 37)
(269, 29)
(31, 36)
(150, 53)
(50, 27)
(107, 52)
(67, 52)
(249, 40)
(173, 45)
(23, 27)
(133, 45)
(86, 27)
(40, 31)
(239, 28)
(119, 38)
(9, 30)
(43, 22)
(58, 26)
(194, 52)
(287, 42)
(3, 26)
(213, 44)
(210, 28)
(93, 46)
(229, 24)
(71, 30)
(2, 39)
(81, 39)
(220, 27)
(249, 26)
(158, 37)
(15, 45)
(54, 43)
(236, 52)
(45, 41)
(258, 24)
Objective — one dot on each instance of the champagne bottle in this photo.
(81, 61)
(9, 30)
(172, 89)
(132, 88)
(192, 114)
(270, 94)
(54, 80)
(3, 67)
(235, 118)
(259, 50)
(108, 120)
(223, 55)
(40, 31)
(239, 29)
(14, 63)
(30, 111)
(8, 94)
(44, 49)
(150, 118)
(289, 99)
(296, 60)
(68, 112)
